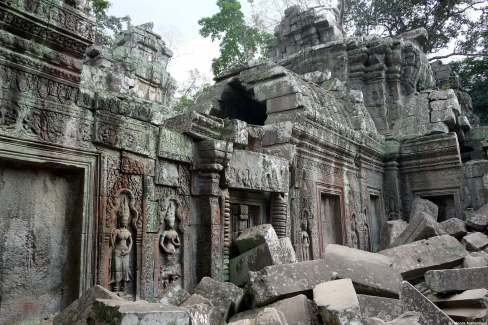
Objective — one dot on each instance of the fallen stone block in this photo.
(297, 310)
(200, 310)
(337, 302)
(390, 231)
(287, 252)
(116, 312)
(454, 227)
(421, 226)
(422, 205)
(255, 236)
(413, 300)
(466, 314)
(475, 241)
(408, 318)
(280, 281)
(475, 259)
(78, 311)
(469, 298)
(477, 220)
(380, 307)
(175, 295)
(371, 273)
(414, 259)
(225, 297)
(445, 281)
(263, 316)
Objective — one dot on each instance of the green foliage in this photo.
(239, 43)
(107, 26)
(461, 20)
(473, 74)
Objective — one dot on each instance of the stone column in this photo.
(279, 213)
(208, 186)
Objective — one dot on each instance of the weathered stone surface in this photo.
(296, 310)
(255, 236)
(422, 205)
(390, 231)
(257, 171)
(476, 259)
(225, 297)
(254, 259)
(466, 314)
(175, 295)
(475, 241)
(175, 146)
(275, 282)
(468, 298)
(421, 226)
(78, 312)
(286, 251)
(380, 307)
(200, 310)
(264, 316)
(478, 220)
(370, 272)
(442, 281)
(337, 302)
(414, 259)
(454, 227)
(167, 174)
(408, 318)
(413, 300)
(116, 312)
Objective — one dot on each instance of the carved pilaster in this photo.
(279, 213)
(392, 194)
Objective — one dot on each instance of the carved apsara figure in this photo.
(170, 239)
(354, 232)
(305, 241)
(121, 242)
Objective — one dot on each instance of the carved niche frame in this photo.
(13, 149)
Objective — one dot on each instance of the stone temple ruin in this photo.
(299, 169)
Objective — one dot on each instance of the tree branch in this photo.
(474, 55)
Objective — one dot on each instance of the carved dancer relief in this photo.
(170, 243)
(121, 241)
(305, 235)
(360, 231)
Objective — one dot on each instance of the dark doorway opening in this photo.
(330, 220)
(447, 207)
(239, 103)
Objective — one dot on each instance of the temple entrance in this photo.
(40, 241)
(330, 220)
(447, 207)
(375, 222)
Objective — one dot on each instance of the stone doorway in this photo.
(331, 227)
(446, 204)
(375, 221)
(41, 214)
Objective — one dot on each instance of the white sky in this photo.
(177, 22)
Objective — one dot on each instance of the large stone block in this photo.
(254, 259)
(475, 241)
(279, 281)
(225, 297)
(454, 227)
(408, 318)
(476, 259)
(443, 281)
(390, 231)
(264, 316)
(337, 302)
(370, 272)
(422, 205)
(413, 300)
(478, 220)
(468, 315)
(256, 236)
(380, 307)
(200, 310)
(116, 312)
(468, 298)
(421, 226)
(414, 259)
(78, 312)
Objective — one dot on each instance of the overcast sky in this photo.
(177, 22)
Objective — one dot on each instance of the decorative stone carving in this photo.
(121, 241)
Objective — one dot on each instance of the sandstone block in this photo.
(476, 259)
(174, 296)
(371, 273)
(478, 220)
(116, 312)
(380, 307)
(77, 313)
(263, 316)
(254, 259)
(446, 115)
(454, 227)
(200, 310)
(255, 236)
(444, 281)
(475, 241)
(477, 315)
(286, 251)
(423, 205)
(408, 318)
(421, 226)
(390, 231)
(414, 259)
(413, 300)
(468, 298)
(337, 302)
(279, 281)
(225, 297)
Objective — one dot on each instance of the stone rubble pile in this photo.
(430, 273)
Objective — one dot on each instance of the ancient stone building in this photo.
(102, 183)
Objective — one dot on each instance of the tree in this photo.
(107, 25)
(239, 43)
(189, 90)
